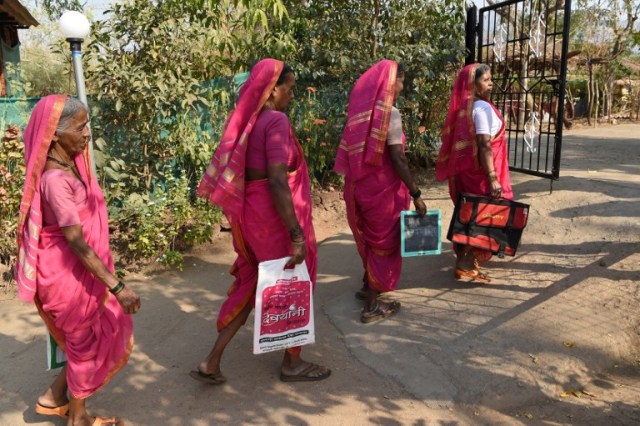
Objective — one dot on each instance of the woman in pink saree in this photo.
(64, 262)
(378, 183)
(259, 177)
(473, 156)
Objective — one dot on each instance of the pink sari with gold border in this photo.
(374, 194)
(458, 158)
(258, 231)
(86, 321)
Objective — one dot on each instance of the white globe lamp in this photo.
(74, 25)
(75, 28)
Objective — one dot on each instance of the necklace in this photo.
(61, 163)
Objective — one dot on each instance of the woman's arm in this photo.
(128, 299)
(485, 156)
(484, 120)
(281, 193)
(401, 166)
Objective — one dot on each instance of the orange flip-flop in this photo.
(61, 411)
(112, 421)
(473, 275)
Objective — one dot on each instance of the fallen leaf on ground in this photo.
(568, 344)
(528, 415)
(589, 394)
(575, 393)
(534, 359)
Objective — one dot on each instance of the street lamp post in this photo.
(75, 28)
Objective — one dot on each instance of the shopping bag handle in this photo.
(289, 265)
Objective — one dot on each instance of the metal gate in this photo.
(525, 42)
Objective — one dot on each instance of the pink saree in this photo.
(258, 231)
(86, 321)
(373, 193)
(458, 158)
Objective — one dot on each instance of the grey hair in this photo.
(71, 108)
(481, 70)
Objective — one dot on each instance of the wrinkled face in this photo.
(399, 86)
(74, 137)
(484, 85)
(283, 94)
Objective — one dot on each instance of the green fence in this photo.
(16, 111)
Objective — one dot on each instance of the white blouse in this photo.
(485, 119)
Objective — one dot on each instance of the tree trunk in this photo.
(596, 94)
(145, 170)
(374, 28)
(607, 90)
(589, 92)
(525, 99)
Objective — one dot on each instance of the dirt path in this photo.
(554, 339)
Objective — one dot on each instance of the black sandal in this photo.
(379, 312)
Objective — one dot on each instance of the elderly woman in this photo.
(473, 156)
(378, 183)
(258, 176)
(65, 265)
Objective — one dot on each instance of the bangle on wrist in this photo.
(416, 194)
(117, 288)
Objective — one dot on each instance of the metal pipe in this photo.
(76, 59)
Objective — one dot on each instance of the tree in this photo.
(337, 40)
(605, 31)
(55, 8)
(146, 66)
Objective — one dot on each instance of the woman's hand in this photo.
(420, 206)
(496, 188)
(129, 300)
(299, 253)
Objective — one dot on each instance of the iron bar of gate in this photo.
(563, 87)
(534, 73)
(471, 28)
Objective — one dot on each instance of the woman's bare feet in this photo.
(95, 421)
(54, 401)
(78, 416)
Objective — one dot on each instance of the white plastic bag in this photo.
(284, 307)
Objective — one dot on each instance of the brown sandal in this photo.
(208, 378)
(307, 374)
(379, 312)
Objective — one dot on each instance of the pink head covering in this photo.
(37, 140)
(365, 135)
(459, 150)
(223, 182)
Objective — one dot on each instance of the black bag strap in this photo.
(474, 212)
